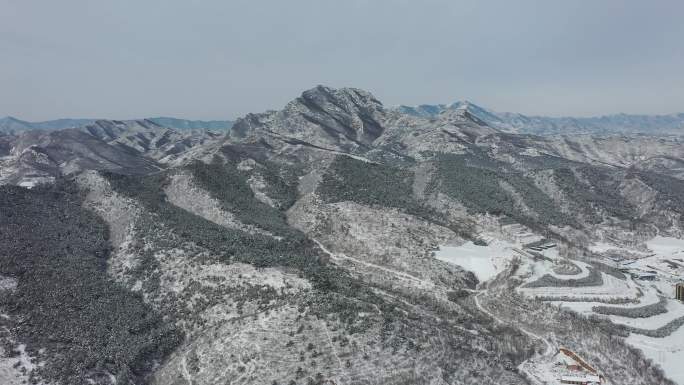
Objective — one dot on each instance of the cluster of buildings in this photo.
(541, 246)
(629, 267)
(574, 370)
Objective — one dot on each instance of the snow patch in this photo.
(257, 184)
(485, 261)
(7, 283)
(12, 368)
(666, 246)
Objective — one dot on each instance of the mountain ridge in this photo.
(12, 125)
(621, 123)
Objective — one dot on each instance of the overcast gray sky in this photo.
(217, 59)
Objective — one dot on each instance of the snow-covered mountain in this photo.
(11, 125)
(346, 118)
(129, 147)
(299, 247)
(672, 124)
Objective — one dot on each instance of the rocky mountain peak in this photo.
(347, 99)
(342, 118)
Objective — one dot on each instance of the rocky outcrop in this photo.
(347, 118)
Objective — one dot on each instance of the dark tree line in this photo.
(645, 311)
(593, 279)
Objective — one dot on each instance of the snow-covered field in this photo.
(666, 246)
(484, 261)
(667, 352)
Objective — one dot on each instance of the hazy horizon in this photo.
(218, 60)
(278, 108)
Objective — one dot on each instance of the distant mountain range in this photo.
(13, 125)
(672, 124)
(184, 124)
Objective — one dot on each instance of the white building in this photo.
(582, 379)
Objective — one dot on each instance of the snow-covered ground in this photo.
(612, 288)
(549, 369)
(657, 255)
(538, 269)
(667, 352)
(485, 261)
(7, 283)
(602, 247)
(665, 256)
(667, 246)
(11, 367)
(661, 255)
